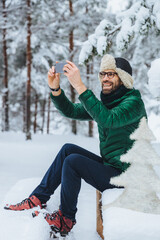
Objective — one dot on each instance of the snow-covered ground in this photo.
(126, 224)
(22, 165)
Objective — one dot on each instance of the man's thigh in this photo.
(72, 148)
(93, 172)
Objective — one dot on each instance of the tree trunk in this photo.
(90, 129)
(99, 215)
(48, 117)
(35, 113)
(89, 70)
(5, 80)
(43, 114)
(71, 46)
(90, 123)
(28, 93)
(24, 112)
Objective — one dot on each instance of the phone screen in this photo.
(59, 67)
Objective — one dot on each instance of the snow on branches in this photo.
(137, 20)
(97, 43)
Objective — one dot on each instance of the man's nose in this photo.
(106, 77)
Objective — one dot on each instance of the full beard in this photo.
(107, 88)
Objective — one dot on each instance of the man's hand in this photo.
(54, 80)
(73, 75)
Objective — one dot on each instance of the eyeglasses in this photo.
(110, 75)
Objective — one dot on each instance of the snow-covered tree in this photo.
(142, 16)
(140, 180)
(5, 79)
(51, 25)
(133, 34)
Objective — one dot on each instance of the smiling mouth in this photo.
(106, 85)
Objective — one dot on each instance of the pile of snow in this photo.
(154, 78)
(21, 225)
(23, 164)
(126, 224)
(154, 124)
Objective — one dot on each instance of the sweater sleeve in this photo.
(68, 109)
(127, 112)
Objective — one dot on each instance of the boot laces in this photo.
(55, 215)
(26, 200)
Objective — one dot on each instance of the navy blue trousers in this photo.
(72, 164)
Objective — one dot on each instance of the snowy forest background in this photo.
(34, 34)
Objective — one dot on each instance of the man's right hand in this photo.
(54, 80)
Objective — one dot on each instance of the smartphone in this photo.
(59, 67)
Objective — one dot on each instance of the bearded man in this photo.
(117, 115)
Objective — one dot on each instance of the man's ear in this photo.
(121, 83)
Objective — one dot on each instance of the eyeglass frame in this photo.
(103, 74)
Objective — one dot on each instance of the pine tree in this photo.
(140, 180)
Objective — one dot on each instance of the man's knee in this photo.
(72, 160)
(69, 148)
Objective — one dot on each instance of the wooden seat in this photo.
(99, 214)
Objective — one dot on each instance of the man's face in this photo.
(110, 82)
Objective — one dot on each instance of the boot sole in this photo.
(55, 229)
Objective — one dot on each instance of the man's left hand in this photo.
(73, 75)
